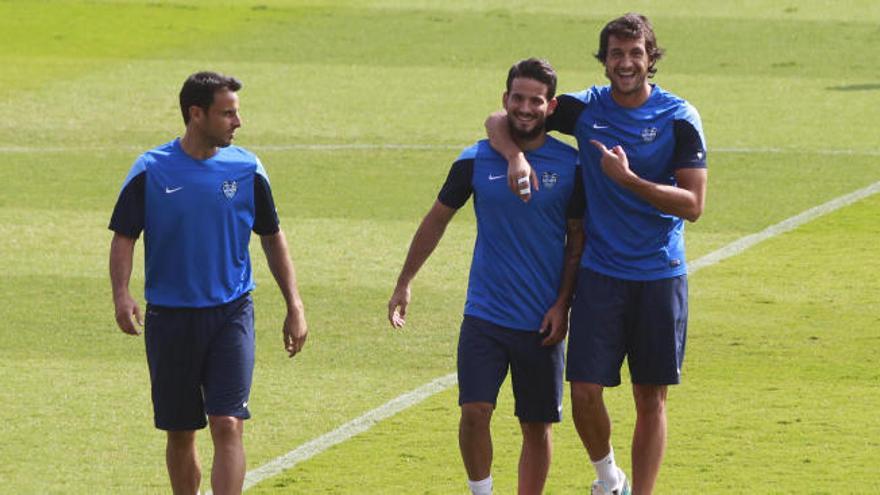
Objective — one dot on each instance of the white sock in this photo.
(482, 487)
(607, 471)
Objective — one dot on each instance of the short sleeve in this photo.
(265, 215)
(458, 186)
(568, 111)
(128, 214)
(690, 152)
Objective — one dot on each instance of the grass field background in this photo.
(781, 382)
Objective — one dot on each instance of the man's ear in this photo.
(196, 112)
(504, 100)
(551, 106)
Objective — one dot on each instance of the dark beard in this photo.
(525, 135)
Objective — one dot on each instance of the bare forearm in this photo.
(283, 271)
(121, 256)
(498, 132)
(672, 200)
(685, 199)
(126, 308)
(425, 240)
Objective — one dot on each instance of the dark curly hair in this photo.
(631, 26)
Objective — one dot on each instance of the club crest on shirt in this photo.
(549, 179)
(229, 188)
(649, 134)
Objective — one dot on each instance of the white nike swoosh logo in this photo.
(599, 126)
(168, 190)
(496, 177)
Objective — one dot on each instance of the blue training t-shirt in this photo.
(197, 216)
(520, 247)
(627, 237)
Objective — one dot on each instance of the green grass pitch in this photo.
(781, 384)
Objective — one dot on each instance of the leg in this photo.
(175, 357)
(536, 377)
(227, 473)
(227, 384)
(649, 437)
(591, 418)
(596, 348)
(482, 366)
(182, 461)
(475, 439)
(534, 460)
(655, 362)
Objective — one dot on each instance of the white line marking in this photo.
(743, 243)
(255, 147)
(348, 430)
(400, 147)
(793, 151)
(409, 399)
(356, 146)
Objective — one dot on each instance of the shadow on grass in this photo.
(856, 87)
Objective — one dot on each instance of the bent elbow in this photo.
(693, 214)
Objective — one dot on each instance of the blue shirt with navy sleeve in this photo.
(196, 216)
(627, 237)
(520, 247)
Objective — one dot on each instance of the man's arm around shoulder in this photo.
(517, 166)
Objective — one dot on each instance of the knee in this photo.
(586, 394)
(476, 415)
(181, 440)
(650, 400)
(537, 433)
(226, 426)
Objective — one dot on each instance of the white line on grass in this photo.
(344, 147)
(748, 241)
(348, 430)
(792, 151)
(255, 147)
(409, 399)
(397, 147)
(355, 146)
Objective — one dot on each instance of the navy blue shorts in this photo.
(201, 362)
(645, 321)
(486, 350)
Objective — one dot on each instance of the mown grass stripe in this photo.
(409, 399)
